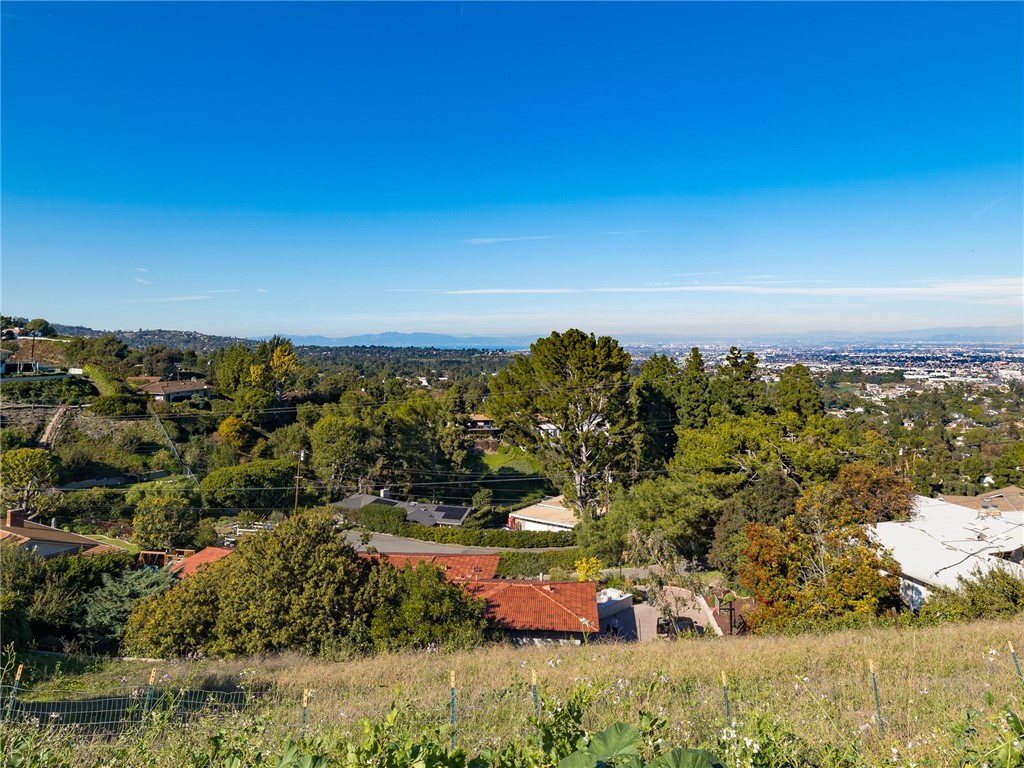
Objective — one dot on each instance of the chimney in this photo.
(53, 523)
(385, 493)
(16, 518)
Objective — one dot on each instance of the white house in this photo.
(942, 542)
(548, 515)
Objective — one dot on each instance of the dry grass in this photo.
(816, 687)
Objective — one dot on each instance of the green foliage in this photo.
(579, 385)
(419, 608)
(164, 522)
(381, 518)
(656, 396)
(694, 393)
(798, 395)
(11, 438)
(529, 565)
(26, 477)
(737, 388)
(109, 606)
(992, 594)
(818, 567)
(118, 406)
(180, 621)
(265, 484)
(344, 448)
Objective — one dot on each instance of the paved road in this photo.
(396, 545)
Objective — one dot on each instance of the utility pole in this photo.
(298, 469)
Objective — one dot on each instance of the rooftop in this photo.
(552, 606)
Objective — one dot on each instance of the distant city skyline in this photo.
(335, 169)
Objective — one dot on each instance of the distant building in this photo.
(548, 515)
(48, 540)
(1009, 499)
(189, 565)
(449, 515)
(169, 391)
(456, 568)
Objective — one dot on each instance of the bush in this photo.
(997, 594)
(524, 565)
(117, 406)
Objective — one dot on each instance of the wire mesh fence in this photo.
(110, 715)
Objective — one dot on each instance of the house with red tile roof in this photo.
(193, 563)
(457, 568)
(538, 612)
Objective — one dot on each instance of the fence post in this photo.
(149, 691)
(1013, 655)
(536, 706)
(305, 709)
(454, 721)
(14, 691)
(725, 695)
(878, 705)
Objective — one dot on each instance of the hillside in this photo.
(797, 697)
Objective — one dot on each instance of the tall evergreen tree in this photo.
(656, 396)
(694, 403)
(737, 389)
(797, 393)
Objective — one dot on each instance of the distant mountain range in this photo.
(201, 342)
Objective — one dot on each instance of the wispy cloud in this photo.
(986, 208)
(986, 290)
(492, 240)
(225, 290)
(262, 290)
(168, 299)
(141, 269)
(474, 291)
(144, 282)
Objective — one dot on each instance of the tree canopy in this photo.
(570, 398)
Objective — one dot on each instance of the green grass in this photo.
(115, 542)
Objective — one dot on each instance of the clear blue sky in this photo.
(322, 168)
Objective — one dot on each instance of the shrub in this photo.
(525, 565)
(117, 406)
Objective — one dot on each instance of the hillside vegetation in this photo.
(804, 700)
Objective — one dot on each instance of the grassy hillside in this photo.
(789, 694)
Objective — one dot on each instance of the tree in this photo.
(877, 493)
(343, 449)
(737, 389)
(181, 620)
(419, 608)
(109, 607)
(656, 402)
(577, 387)
(797, 393)
(694, 405)
(40, 326)
(820, 566)
(265, 484)
(28, 477)
(294, 587)
(164, 522)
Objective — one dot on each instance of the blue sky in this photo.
(662, 168)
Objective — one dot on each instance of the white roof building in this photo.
(943, 542)
(548, 515)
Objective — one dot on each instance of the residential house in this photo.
(48, 540)
(457, 568)
(942, 542)
(1009, 499)
(169, 391)
(449, 515)
(540, 612)
(189, 565)
(551, 514)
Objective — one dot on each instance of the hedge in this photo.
(522, 565)
(383, 519)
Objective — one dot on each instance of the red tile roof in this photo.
(456, 567)
(553, 606)
(192, 563)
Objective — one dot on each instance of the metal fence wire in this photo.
(109, 715)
